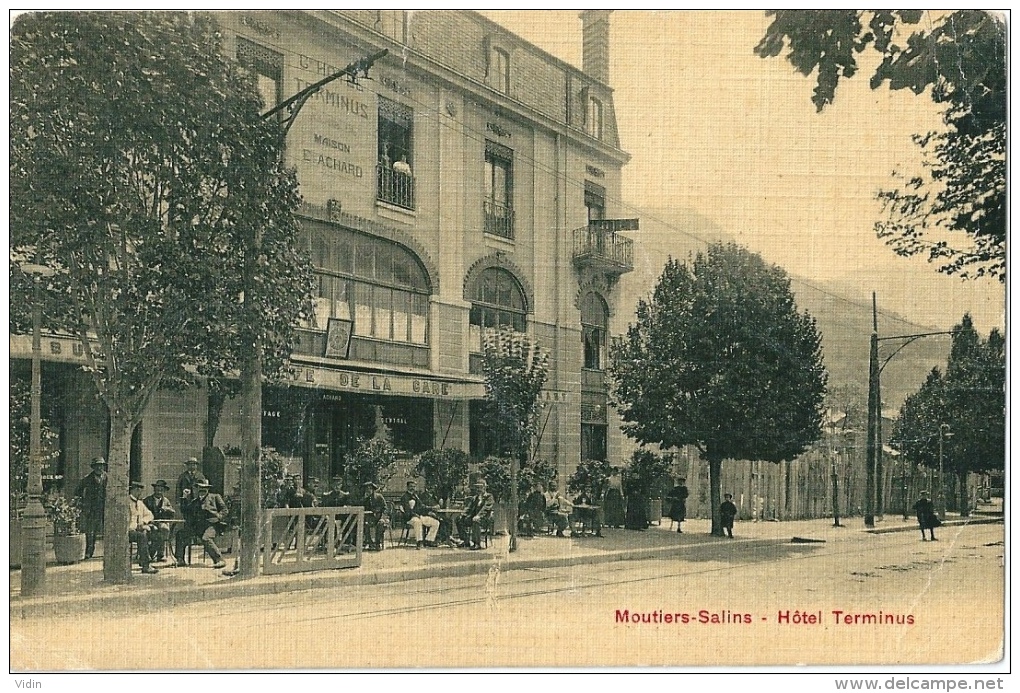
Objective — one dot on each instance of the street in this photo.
(864, 599)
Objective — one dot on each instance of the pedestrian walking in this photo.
(926, 517)
(92, 492)
(729, 513)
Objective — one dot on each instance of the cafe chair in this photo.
(486, 533)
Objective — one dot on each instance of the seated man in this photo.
(336, 496)
(160, 507)
(140, 525)
(533, 511)
(559, 513)
(416, 515)
(203, 519)
(377, 523)
(477, 510)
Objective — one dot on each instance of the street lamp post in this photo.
(872, 491)
(944, 433)
(33, 568)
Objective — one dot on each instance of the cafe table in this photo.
(585, 516)
(447, 522)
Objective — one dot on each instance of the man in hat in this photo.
(927, 518)
(92, 492)
(188, 478)
(161, 508)
(376, 519)
(204, 515)
(477, 511)
(416, 514)
(140, 526)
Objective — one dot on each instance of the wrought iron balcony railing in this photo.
(394, 187)
(603, 249)
(499, 219)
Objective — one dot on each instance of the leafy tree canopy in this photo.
(968, 398)
(140, 169)
(144, 178)
(958, 58)
(721, 359)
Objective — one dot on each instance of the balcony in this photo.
(499, 219)
(603, 250)
(394, 187)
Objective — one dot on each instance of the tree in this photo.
(515, 370)
(969, 399)
(721, 359)
(959, 59)
(143, 175)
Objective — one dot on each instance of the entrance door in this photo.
(321, 446)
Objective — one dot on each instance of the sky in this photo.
(718, 131)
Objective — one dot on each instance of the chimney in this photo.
(595, 44)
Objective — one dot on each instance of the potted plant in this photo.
(374, 459)
(444, 470)
(590, 479)
(68, 541)
(640, 477)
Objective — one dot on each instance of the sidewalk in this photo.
(79, 587)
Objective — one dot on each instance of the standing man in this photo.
(140, 526)
(416, 514)
(203, 519)
(478, 510)
(677, 498)
(161, 508)
(187, 480)
(376, 523)
(92, 491)
(926, 517)
(728, 510)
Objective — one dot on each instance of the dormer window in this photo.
(500, 70)
(594, 117)
(497, 63)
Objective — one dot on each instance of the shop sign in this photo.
(554, 396)
(63, 349)
(397, 385)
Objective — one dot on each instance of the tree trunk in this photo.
(512, 514)
(116, 547)
(961, 478)
(714, 496)
(251, 465)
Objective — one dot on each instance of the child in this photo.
(728, 511)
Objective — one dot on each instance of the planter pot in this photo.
(69, 549)
(499, 517)
(655, 510)
(225, 541)
(15, 545)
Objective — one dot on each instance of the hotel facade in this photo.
(471, 182)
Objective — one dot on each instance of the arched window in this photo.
(497, 300)
(594, 328)
(379, 285)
